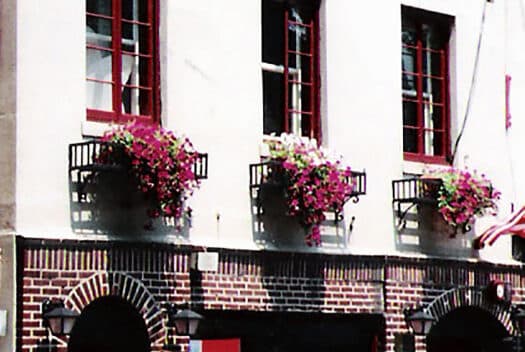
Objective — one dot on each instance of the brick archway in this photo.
(127, 287)
(471, 297)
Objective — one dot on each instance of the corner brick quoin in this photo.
(151, 275)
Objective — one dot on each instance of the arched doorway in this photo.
(467, 329)
(109, 324)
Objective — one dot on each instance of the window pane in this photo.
(409, 33)
(298, 36)
(135, 38)
(434, 36)
(307, 127)
(273, 103)
(408, 59)
(99, 63)
(432, 63)
(433, 116)
(433, 143)
(409, 113)
(410, 140)
(408, 64)
(299, 67)
(99, 96)
(272, 32)
(101, 7)
(136, 10)
(299, 97)
(432, 90)
(135, 74)
(136, 101)
(145, 40)
(130, 37)
(98, 31)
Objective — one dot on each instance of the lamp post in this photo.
(184, 320)
(419, 320)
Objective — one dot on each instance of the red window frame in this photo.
(421, 18)
(310, 86)
(294, 56)
(152, 104)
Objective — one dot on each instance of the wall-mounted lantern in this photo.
(419, 320)
(57, 317)
(184, 320)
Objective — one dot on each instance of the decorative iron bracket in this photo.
(413, 191)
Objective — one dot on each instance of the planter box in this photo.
(104, 197)
(268, 185)
(415, 200)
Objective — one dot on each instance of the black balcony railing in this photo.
(414, 191)
(83, 168)
(271, 173)
(83, 157)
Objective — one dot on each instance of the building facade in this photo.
(395, 87)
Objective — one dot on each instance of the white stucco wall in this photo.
(211, 91)
(51, 104)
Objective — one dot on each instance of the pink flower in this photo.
(316, 183)
(464, 195)
(161, 162)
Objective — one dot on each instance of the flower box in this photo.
(133, 169)
(306, 180)
(456, 195)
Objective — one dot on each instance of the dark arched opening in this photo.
(109, 324)
(467, 329)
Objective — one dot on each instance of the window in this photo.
(121, 60)
(290, 67)
(426, 126)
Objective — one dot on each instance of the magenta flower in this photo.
(160, 163)
(463, 195)
(316, 184)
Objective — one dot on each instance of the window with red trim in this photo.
(290, 68)
(121, 60)
(426, 125)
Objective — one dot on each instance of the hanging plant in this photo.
(159, 162)
(315, 182)
(464, 195)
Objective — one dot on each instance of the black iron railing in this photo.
(414, 191)
(83, 157)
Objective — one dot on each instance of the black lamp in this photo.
(184, 320)
(419, 320)
(58, 318)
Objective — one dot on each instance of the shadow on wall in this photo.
(293, 282)
(107, 201)
(272, 228)
(422, 229)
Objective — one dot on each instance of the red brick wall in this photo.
(149, 276)
(282, 282)
(411, 282)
